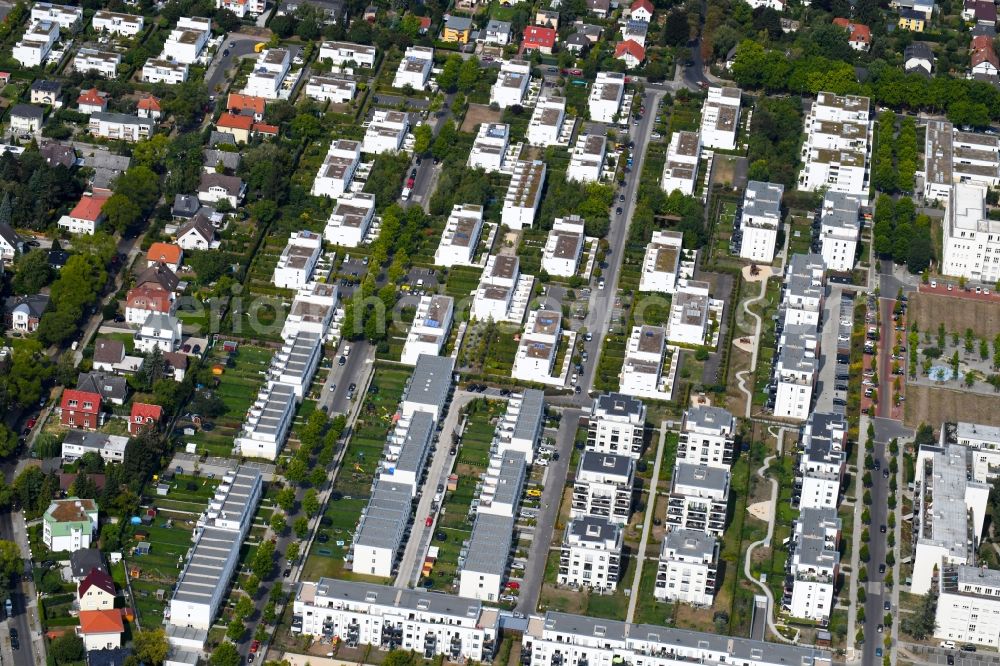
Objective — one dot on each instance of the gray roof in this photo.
(416, 443)
(185, 205)
(231, 184)
(434, 603)
(9, 235)
(510, 479)
(763, 199)
(57, 153)
(160, 274)
(498, 26)
(814, 552)
(84, 560)
(606, 463)
(89, 440)
(122, 119)
(37, 304)
(216, 138)
(273, 412)
(690, 543)
(386, 515)
(300, 354)
(230, 160)
(109, 387)
(47, 86)
(458, 22)
(199, 224)
(818, 437)
(701, 476)
(27, 111)
(619, 404)
(107, 350)
(489, 546)
(815, 521)
(920, 50)
(530, 415)
(840, 210)
(431, 381)
(593, 528)
(710, 417)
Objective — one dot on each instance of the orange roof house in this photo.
(165, 253)
(631, 52)
(86, 215)
(237, 125)
(859, 35)
(101, 629)
(92, 101)
(246, 105)
(143, 416)
(149, 107)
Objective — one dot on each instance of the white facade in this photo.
(603, 487)
(296, 362)
(720, 118)
(840, 227)
(823, 461)
(641, 370)
(430, 328)
(687, 568)
(707, 437)
(503, 485)
(617, 425)
(523, 194)
(460, 237)
(536, 351)
(689, 313)
(104, 63)
(795, 374)
(69, 524)
(564, 247)
(335, 89)
(760, 221)
(814, 564)
(512, 84)
(415, 68)
(298, 260)
(36, 43)
(503, 293)
(386, 132)
(971, 238)
(591, 554)
(952, 156)
(126, 25)
(187, 40)
(67, 17)
(605, 99)
(546, 121)
(351, 219)
(120, 126)
(680, 170)
(159, 331)
(335, 174)
(111, 448)
(521, 426)
(158, 70)
(344, 53)
(489, 150)
(267, 423)
(699, 498)
(313, 310)
(269, 73)
(484, 566)
(242, 8)
(661, 263)
(836, 150)
(968, 606)
(586, 162)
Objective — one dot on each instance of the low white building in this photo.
(546, 121)
(840, 228)
(523, 194)
(968, 605)
(616, 425)
(680, 170)
(699, 498)
(503, 484)
(707, 437)
(586, 162)
(511, 85)
(345, 54)
(385, 132)
(720, 118)
(159, 331)
(606, 95)
(430, 386)
(813, 564)
(298, 260)
(337, 170)
(564, 246)
(67, 17)
(971, 239)
(405, 457)
(242, 8)
(35, 45)
(415, 68)
(503, 293)
(187, 40)
(641, 373)
(313, 310)
(111, 448)
(351, 219)
(484, 567)
(489, 150)
(430, 328)
(536, 351)
(104, 63)
(116, 23)
(267, 423)
(69, 524)
(331, 88)
(591, 554)
(689, 310)
(121, 126)
(760, 219)
(159, 70)
(687, 568)
(603, 487)
(461, 235)
(661, 263)
(795, 377)
(296, 362)
(268, 74)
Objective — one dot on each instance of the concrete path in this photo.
(755, 346)
(647, 525)
(856, 540)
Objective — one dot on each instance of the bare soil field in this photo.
(929, 404)
(957, 314)
(478, 114)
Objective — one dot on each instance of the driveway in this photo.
(216, 77)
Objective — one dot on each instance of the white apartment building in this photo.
(720, 118)
(760, 220)
(461, 235)
(521, 426)
(104, 63)
(983, 441)
(971, 238)
(115, 23)
(503, 293)
(351, 219)
(187, 40)
(406, 453)
(296, 362)
(606, 95)
(511, 85)
(564, 246)
(586, 162)
(823, 460)
(36, 43)
(158, 70)
(617, 425)
(385, 132)
(699, 497)
(603, 487)
(379, 535)
(968, 605)
(952, 156)
(836, 150)
(429, 388)
(687, 569)
(840, 228)
(795, 377)
(661, 263)
(345, 53)
(331, 88)
(489, 150)
(813, 564)
(707, 437)
(680, 171)
(689, 310)
(335, 174)
(641, 370)
(804, 290)
(384, 616)
(268, 422)
(502, 486)
(68, 18)
(313, 310)
(591, 554)
(120, 126)
(430, 328)
(242, 8)
(269, 74)
(546, 121)
(415, 68)
(298, 260)
(523, 194)
(536, 351)
(484, 567)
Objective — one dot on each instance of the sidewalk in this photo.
(647, 525)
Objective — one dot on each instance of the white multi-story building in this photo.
(269, 73)
(591, 554)
(313, 311)
(120, 126)
(298, 260)
(606, 95)
(242, 8)
(983, 441)
(461, 235)
(385, 132)
(617, 425)
(840, 228)
(331, 88)
(523, 194)
(661, 263)
(379, 535)
(836, 150)
(503, 484)
(699, 497)
(952, 156)
(484, 567)
(511, 85)
(760, 220)
(795, 376)
(429, 388)
(546, 121)
(337, 170)
(430, 623)
(687, 568)
(804, 290)
(158, 331)
(720, 118)
(971, 238)
(680, 171)
(536, 351)
(564, 246)
(641, 370)
(813, 564)
(187, 40)
(406, 453)
(104, 63)
(415, 68)
(68, 18)
(430, 328)
(158, 70)
(603, 487)
(521, 426)
(503, 293)
(296, 362)
(707, 437)
(345, 53)
(489, 150)
(968, 605)
(36, 43)
(127, 25)
(268, 422)
(586, 162)
(823, 460)
(689, 310)
(351, 219)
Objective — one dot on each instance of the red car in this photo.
(429, 521)
(409, 183)
(32, 421)
(254, 646)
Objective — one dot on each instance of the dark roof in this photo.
(114, 657)
(27, 111)
(185, 205)
(57, 153)
(201, 225)
(83, 561)
(107, 350)
(983, 29)
(8, 234)
(578, 39)
(231, 184)
(47, 86)
(58, 258)
(918, 50)
(216, 138)
(159, 274)
(229, 160)
(109, 387)
(96, 578)
(37, 304)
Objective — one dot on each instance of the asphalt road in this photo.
(339, 379)
(215, 79)
(20, 596)
(877, 595)
(939, 656)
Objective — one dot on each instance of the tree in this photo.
(310, 503)
(422, 135)
(244, 608)
(447, 80)
(285, 498)
(122, 213)
(278, 522)
(68, 648)
(398, 658)
(292, 553)
(676, 32)
(151, 646)
(301, 527)
(32, 272)
(225, 654)
(468, 74)
(263, 560)
(922, 623)
(141, 184)
(235, 629)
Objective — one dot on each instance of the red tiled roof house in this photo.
(81, 409)
(143, 416)
(539, 38)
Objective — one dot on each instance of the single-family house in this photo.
(216, 187)
(81, 409)
(143, 416)
(167, 254)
